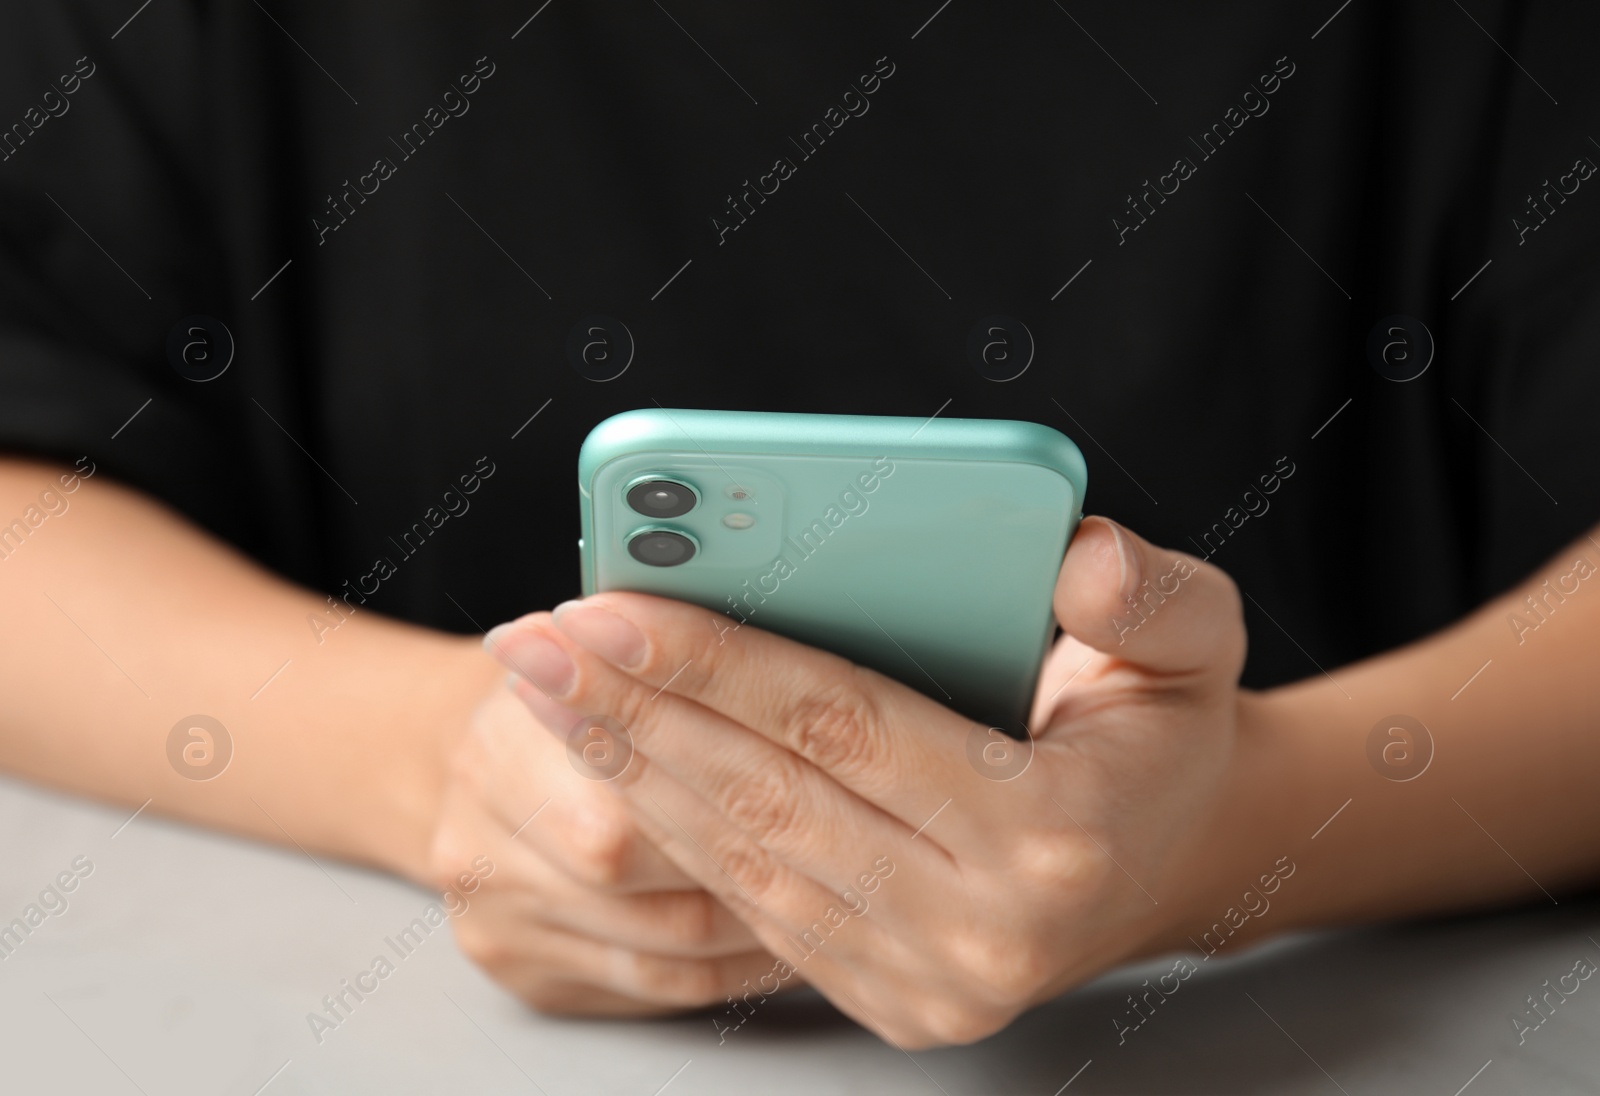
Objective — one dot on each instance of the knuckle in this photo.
(763, 802)
(1000, 969)
(957, 1023)
(448, 857)
(905, 1030)
(600, 848)
(1014, 971)
(693, 657)
(1225, 614)
(750, 866)
(1052, 861)
(619, 699)
(838, 729)
(1234, 636)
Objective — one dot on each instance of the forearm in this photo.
(1505, 810)
(122, 619)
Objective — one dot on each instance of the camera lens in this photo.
(661, 498)
(659, 548)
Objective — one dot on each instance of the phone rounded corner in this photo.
(1049, 448)
(611, 438)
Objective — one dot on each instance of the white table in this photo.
(186, 962)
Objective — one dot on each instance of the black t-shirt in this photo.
(436, 232)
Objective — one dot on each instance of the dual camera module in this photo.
(661, 498)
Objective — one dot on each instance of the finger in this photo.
(1163, 611)
(556, 997)
(688, 923)
(886, 742)
(793, 832)
(524, 777)
(841, 948)
(845, 955)
(591, 839)
(794, 917)
(528, 963)
(576, 999)
(886, 747)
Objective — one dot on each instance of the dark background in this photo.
(1186, 361)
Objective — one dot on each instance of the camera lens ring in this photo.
(662, 547)
(659, 497)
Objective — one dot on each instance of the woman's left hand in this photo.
(863, 832)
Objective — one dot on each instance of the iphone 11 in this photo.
(926, 549)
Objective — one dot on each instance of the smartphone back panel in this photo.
(925, 549)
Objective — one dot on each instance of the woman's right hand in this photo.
(562, 900)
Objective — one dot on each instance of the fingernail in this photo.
(530, 654)
(608, 635)
(1127, 561)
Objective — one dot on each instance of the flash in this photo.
(738, 521)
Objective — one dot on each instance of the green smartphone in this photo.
(926, 549)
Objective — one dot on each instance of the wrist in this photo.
(1235, 875)
(445, 679)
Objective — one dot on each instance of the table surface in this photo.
(187, 961)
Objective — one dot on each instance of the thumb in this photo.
(1161, 610)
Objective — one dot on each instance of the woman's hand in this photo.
(576, 912)
(838, 813)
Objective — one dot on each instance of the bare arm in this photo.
(1506, 809)
(384, 743)
(121, 618)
